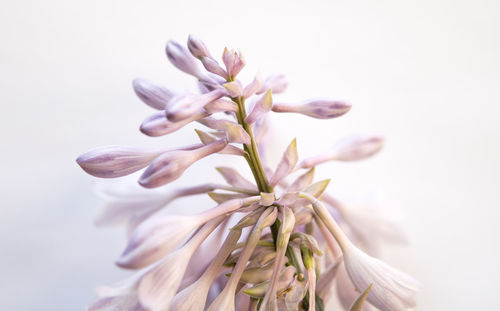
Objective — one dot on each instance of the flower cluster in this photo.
(274, 243)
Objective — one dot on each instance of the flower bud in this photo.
(171, 165)
(262, 106)
(286, 165)
(277, 83)
(197, 47)
(185, 106)
(234, 62)
(158, 125)
(253, 87)
(115, 161)
(316, 108)
(152, 95)
(180, 57)
(213, 66)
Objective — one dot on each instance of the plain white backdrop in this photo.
(424, 73)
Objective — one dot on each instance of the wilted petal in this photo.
(171, 165)
(115, 161)
(158, 124)
(158, 287)
(151, 94)
(184, 106)
(181, 58)
(277, 83)
(316, 108)
(232, 177)
(262, 106)
(286, 165)
(253, 87)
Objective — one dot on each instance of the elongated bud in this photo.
(180, 57)
(262, 106)
(236, 134)
(115, 161)
(213, 66)
(277, 83)
(197, 47)
(221, 105)
(253, 87)
(350, 148)
(158, 125)
(316, 108)
(259, 290)
(234, 62)
(185, 106)
(229, 149)
(234, 88)
(171, 165)
(232, 177)
(286, 165)
(151, 94)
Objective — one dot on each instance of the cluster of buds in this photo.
(275, 243)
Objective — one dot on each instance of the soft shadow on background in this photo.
(424, 73)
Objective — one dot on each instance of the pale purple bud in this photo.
(229, 149)
(277, 83)
(232, 177)
(286, 165)
(171, 165)
(234, 88)
(236, 134)
(213, 66)
(234, 62)
(197, 47)
(316, 108)
(180, 57)
(221, 105)
(262, 106)
(151, 94)
(253, 87)
(115, 161)
(184, 106)
(158, 124)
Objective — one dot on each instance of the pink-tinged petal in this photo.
(316, 108)
(151, 94)
(234, 88)
(253, 87)
(185, 106)
(229, 149)
(215, 124)
(302, 182)
(221, 105)
(286, 165)
(236, 134)
(171, 165)
(234, 62)
(262, 106)
(213, 66)
(115, 161)
(181, 58)
(158, 287)
(277, 83)
(158, 124)
(232, 177)
(197, 47)
(357, 147)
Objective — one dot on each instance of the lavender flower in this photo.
(284, 245)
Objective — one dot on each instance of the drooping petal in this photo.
(286, 165)
(316, 108)
(171, 165)
(115, 161)
(151, 94)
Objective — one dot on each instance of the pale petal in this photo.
(262, 106)
(277, 83)
(152, 95)
(317, 108)
(182, 107)
(232, 177)
(286, 165)
(158, 124)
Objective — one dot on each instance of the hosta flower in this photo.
(282, 248)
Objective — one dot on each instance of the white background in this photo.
(424, 73)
